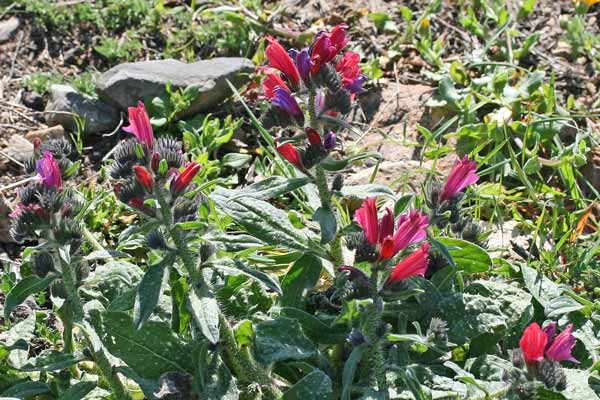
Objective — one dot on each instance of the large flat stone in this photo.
(65, 102)
(127, 83)
(8, 28)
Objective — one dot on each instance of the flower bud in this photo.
(155, 162)
(179, 183)
(329, 142)
(42, 263)
(290, 153)
(144, 177)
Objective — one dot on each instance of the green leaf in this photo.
(282, 339)
(51, 361)
(205, 310)
(469, 257)
(367, 190)
(235, 160)
(24, 288)
(350, 370)
(301, 278)
(77, 391)
(331, 164)
(244, 333)
(270, 187)
(315, 329)
(239, 267)
(263, 220)
(328, 223)
(448, 93)
(148, 386)
(150, 351)
(149, 291)
(15, 335)
(26, 389)
(314, 386)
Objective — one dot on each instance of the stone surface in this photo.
(19, 148)
(65, 101)
(54, 132)
(8, 28)
(127, 83)
(32, 100)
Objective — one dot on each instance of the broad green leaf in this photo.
(448, 93)
(314, 386)
(149, 291)
(549, 294)
(244, 333)
(331, 164)
(77, 391)
(316, 329)
(263, 220)
(148, 386)
(328, 223)
(236, 267)
(469, 257)
(350, 370)
(365, 191)
(269, 188)
(204, 308)
(19, 332)
(24, 288)
(301, 278)
(282, 339)
(51, 361)
(27, 389)
(150, 351)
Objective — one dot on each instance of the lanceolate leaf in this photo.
(302, 277)
(26, 287)
(469, 257)
(314, 386)
(282, 339)
(236, 267)
(150, 351)
(51, 361)
(26, 389)
(77, 391)
(331, 164)
(270, 187)
(350, 369)
(205, 309)
(263, 220)
(326, 218)
(316, 329)
(149, 291)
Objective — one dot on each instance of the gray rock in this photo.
(8, 28)
(19, 148)
(65, 102)
(127, 83)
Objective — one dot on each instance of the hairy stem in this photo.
(335, 247)
(377, 359)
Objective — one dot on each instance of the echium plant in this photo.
(152, 176)
(309, 90)
(49, 212)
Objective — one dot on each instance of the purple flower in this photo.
(48, 171)
(356, 86)
(319, 102)
(329, 142)
(304, 64)
(559, 348)
(284, 99)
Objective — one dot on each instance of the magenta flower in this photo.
(139, 125)
(559, 348)
(380, 232)
(327, 45)
(414, 264)
(411, 229)
(462, 175)
(48, 171)
(303, 63)
(352, 77)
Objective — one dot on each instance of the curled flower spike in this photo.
(144, 177)
(327, 45)
(284, 100)
(139, 125)
(291, 154)
(281, 60)
(462, 175)
(559, 348)
(414, 264)
(48, 171)
(181, 181)
(532, 343)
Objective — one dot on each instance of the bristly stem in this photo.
(377, 359)
(325, 197)
(240, 362)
